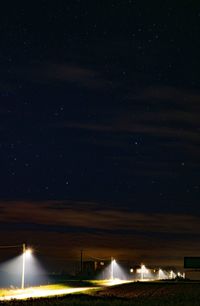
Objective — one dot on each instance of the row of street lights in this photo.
(146, 273)
(143, 271)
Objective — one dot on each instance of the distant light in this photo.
(160, 274)
(28, 252)
(113, 261)
(131, 270)
(143, 269)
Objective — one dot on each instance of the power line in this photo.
(10, 246)
(101, 259)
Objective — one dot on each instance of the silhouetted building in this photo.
(192, 268)
(92, 268)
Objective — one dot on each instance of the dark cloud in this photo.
(139, 233)
(168, 108)
(58, 73)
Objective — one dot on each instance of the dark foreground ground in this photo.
(147, 294)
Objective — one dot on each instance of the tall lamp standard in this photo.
(112, 268)
(24, 255)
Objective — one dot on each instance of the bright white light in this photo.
(172, 274)
(131, 270)
(113, 271)
(182, 275)
(11, 272)
(161, 274)
(143, 270)
(28, 252)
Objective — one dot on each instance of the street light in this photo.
(143, 270)
(26, 253)
(113, 261)
(160, 274)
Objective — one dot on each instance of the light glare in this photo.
(28, 252)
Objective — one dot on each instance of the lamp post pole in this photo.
(112, 268)
(23, 264)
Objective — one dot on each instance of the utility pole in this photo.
(81, 262)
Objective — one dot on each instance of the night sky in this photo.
(99, 129)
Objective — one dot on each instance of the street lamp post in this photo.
(25, 252)
(112, 268)
(23, 264)
(143, 271)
